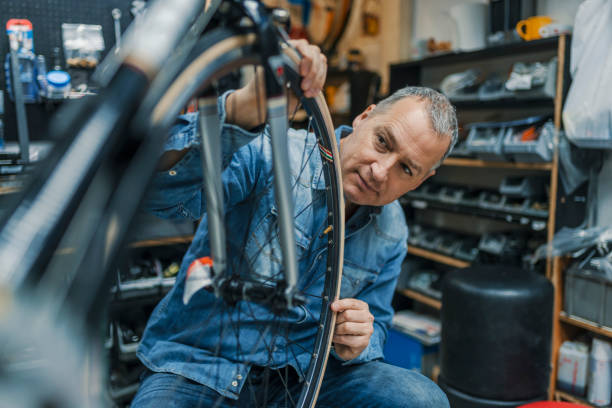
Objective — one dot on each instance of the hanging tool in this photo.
(14, 33)
(117, 17)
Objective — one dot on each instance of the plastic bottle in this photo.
(58, 80)
(600, 381)
(22, 30)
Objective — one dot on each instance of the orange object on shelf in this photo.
(530, 134)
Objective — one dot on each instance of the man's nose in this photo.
(380, 170)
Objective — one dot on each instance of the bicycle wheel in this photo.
(299, 337)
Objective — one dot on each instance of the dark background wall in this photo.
(47, 17)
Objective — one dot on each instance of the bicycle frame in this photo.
(44, 218)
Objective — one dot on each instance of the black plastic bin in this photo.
(496, 333)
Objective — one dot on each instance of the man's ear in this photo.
(363, 115)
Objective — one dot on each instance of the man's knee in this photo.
(407, 388)
(377, 384)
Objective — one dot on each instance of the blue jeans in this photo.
(373, 384)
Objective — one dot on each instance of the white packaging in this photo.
(573, 363)
(600, 380)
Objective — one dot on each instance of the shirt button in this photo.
(239, 377)
(172, 172)
(235, 383)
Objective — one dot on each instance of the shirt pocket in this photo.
(263, 251)
(355, 278)
(176, 193)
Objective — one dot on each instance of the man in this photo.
(392, 148)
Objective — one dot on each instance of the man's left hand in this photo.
(354, 327)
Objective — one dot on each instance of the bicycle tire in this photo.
(224, 50)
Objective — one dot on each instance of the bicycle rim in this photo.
(218, 53)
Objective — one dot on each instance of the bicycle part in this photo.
(211, 167)
(219, 53)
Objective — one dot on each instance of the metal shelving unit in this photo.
(416, 72)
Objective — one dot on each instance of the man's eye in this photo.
(406, 169)
(381, 140)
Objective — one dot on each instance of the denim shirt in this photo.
(179, 338)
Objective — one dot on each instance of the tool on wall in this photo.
(21, 76)
(371, 18)
(117, 19)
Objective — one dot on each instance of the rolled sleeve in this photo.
(177, 192)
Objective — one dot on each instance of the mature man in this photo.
(391, 149)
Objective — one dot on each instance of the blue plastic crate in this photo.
(405, 351)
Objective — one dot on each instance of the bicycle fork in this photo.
(206, 272)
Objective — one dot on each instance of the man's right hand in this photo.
(249, 101)
(313, 67)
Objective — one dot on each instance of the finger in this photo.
(357, 316)
(351, 341)
(310, 77)
(319, 81)
(341, 305)
(313, 84)
(354, 329)
(306, 66)
(304, 48)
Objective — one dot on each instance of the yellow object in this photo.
(529, 29)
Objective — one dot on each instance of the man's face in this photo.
(390, 153)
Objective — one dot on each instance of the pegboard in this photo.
(47, 17)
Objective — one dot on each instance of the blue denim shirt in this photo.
(179, 337)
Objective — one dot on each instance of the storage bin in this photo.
(430, 239)
(493, 243)
(467, 250)
(537, 150)
(451, 195)
(486, 140)
(414, 235)
(588, 295)
(432, 191)
(448, 244)
(523, 186)
(138, 280)
(127, 346)
(471, 197)
(492, 200)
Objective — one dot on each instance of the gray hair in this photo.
(441, 112)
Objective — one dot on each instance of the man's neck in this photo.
(349, 210)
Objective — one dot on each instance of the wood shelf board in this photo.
(9, 190)
(429, 301)
(433, 256)
(547, 44)
(185, 239)
(459, 162)
(585, 325)
(508, 103)
(564, 396)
